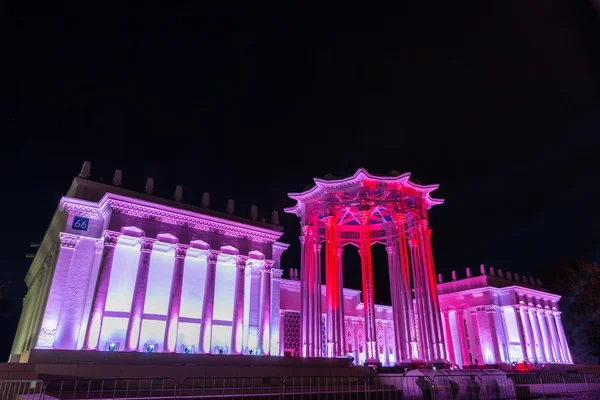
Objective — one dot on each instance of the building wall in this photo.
(63, 278)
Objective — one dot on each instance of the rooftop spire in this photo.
(85, 170)
(205, 200)
(118, 178)
(178, 195)
(274, 217)
(149, 186)
(253, 212)
(230, 207)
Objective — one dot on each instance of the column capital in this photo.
(146, 244)
(364, 217)
(241, 262)
(319, 247)
(181, 250)
(302, 239)
(491, 308)
(399, 217)
(110, 238)
(390, 250)
(68, 241)
(276, 272)
(266, 266)
(422, 223)
(340, 250)
(328, 221)
(212, 256)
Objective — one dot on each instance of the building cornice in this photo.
(166, 214)
(507, 289)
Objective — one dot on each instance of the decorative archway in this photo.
(362, 210)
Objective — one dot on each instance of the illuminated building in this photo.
(123, 271)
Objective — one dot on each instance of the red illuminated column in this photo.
(172, 324)
(264, 331)
(331, 287)
(342, 329)
(368, 294)
(405, 312)
(318, 314)
(209, 303)
(303, 298)
(94, 326)
(237, 334)
(423, 336)
(395, 290)
(134, 326)
(430, 295)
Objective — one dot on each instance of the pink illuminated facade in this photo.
(125, 271)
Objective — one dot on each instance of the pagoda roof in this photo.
(355, 181)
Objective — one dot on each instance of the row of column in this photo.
(310, 292)
(430, 337)
(431, 345)
(401, 290)
(542, 332)
(132, 335)
(336, 342)
(483, 329)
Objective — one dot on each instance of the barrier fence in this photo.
(426, 384)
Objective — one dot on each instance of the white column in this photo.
(94, 326)
(502, 333)
(252, 305)
(134, 326)
(546, 336)
(209, 303)
(563, 339)
(264, 328)
(554, 336)
(276, 326)
(524, 313)
(521, 331)
(237, 327)
(448, 336)
(172, 325)
(57, 288)
(460, 323)
(537, 334)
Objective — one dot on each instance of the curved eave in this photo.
(324, 185)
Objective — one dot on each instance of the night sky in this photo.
(498, 102)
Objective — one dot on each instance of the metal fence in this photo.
(427, 385)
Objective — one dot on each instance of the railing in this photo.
(428, 385)
(21, 389)
(125, 388)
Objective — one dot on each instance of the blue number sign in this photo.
(80, 223)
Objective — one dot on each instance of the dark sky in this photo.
(498, 102)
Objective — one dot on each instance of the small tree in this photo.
(579, 285)
(584, 305)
